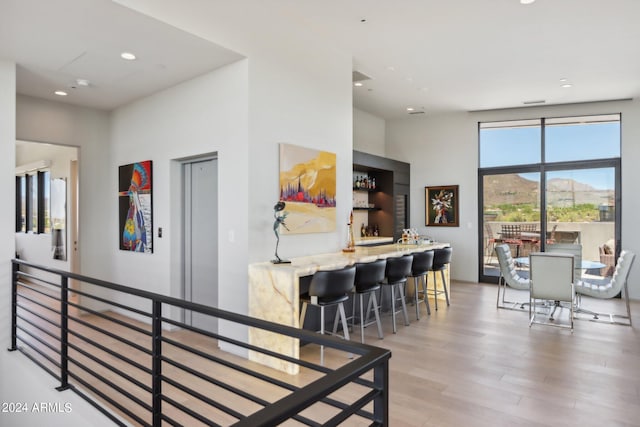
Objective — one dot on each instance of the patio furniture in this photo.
(510, 234)
(491, 242)
(607, 254)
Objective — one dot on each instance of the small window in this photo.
(582, 138)
(509, 143)
(32, 202)
(21, 204)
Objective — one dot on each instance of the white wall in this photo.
(7, 192)
(21, 380)
(88, 129)
(299, 93)
(369, 133)
(442, 150)
(205, 115)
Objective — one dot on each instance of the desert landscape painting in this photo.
(308, 187)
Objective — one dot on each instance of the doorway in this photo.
(200, 250)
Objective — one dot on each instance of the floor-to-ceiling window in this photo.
(549, 181)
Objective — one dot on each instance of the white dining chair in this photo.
(574, 249)
(609, 289)
(509, 277)
(552, 276)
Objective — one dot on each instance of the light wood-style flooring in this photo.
(471, 364)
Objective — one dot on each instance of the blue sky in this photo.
(521, 145)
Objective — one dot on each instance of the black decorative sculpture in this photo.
(279, 214)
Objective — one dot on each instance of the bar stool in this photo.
(441, 257)
(369, 276)
(397, 271)
(422, 264)
(329, 288)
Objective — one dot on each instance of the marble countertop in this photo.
(307, 265)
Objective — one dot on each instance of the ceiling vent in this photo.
(358, 76)
(416, 112)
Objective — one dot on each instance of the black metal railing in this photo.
(123, 351)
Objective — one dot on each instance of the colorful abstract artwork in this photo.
(135, 207)
(308, 187)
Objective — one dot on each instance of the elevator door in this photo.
(201, 239)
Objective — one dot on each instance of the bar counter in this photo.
(274, 293)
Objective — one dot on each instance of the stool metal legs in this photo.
(422, 282)
(340, 315)
(444, 288)
(364, 320)
(393, 305)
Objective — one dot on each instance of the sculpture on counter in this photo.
(351, 244)
(279, 215)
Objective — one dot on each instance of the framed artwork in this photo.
(135, 207)
(441, 206)
(308, 189)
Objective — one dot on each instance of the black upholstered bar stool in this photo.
(397, 271)
(422, 264)
(441, 257)
(329, 288)
(369, 276)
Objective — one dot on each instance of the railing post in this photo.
(64, 334)
(14, 306)
(381, 402)
(156, 366)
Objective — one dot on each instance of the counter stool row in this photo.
(333, 288)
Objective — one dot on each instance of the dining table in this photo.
(585, 264)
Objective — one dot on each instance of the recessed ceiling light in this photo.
(60, 93)
(128, 56)
(357, 84)
(527, 1)
(567, 85)
(410, 108)
(564, 79)
(82, 82)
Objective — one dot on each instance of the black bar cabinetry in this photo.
(390, 197)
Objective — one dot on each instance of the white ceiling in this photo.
(55, 42)
(432, 55)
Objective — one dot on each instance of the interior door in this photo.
(201, 239)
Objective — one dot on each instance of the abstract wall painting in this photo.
(308, 187)
(135, 207)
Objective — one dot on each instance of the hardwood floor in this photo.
(473, 365)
